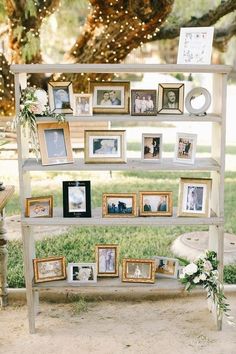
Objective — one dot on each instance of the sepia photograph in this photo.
(170, 98)
(60, 95)
(39, 207)
(143, 103)
(107, 260)
(166, 267)
(119, 205)
(138, 270)
(185, 148)
(49, 269)
(152, 147)
(80, 273)
(76, 198)
(155, 203)
(83, 104)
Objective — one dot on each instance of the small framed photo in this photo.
(194, 197)
(119, 205)
(107, 260)
(171, 98)
(143, 103)
(185, 148)
(105, 146)
(49, 269)
(152, 147)
(138, 270)
(60, 95)
(39, 207)
(76, 199)
(166, 267)
(54, 143)
(155, 203)
(83, 104)
(110, 97)
(82, 273)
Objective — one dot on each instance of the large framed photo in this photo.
(170, 98)
(121, 205)
(151, 147)
(107, 260)
(166, 267)
(76, 199)
(54, 143)
(110, 97)
(49, 269)
(83, 104)
(185, 148)
(138, 270)
(105, 146)
(82, 273)
(60, 95)
(39, 207)
(143, 103)
(194, 197)
(155, 203)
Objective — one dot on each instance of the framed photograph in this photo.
(54, 143)
(110, 97)
(60, 96)
(39, 207)
(82, 273)
(166, 267)
(143, 103)
(194, 197)
(138, 270)
(171, 98)
(107, 260)
(155, 203)
(49, 269)
(105, 146)
(195, 45)
(119, 205)
(83, 104)
(76, 199)
(185, 148)
(152, 147)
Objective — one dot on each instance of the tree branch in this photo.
(223, 36)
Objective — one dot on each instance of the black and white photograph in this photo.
(185, 148)
(55, 141)
(80, 273)
(76, 199)
(107, 260)
(60, 96)
(119, 205)
(138, 270)
(143, 102)
(170, 98)
(155, 203)
(152, 147)
(166, 267)
(83, 105)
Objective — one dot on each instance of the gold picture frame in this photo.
(39, 207)
(170, 98)
(138, 270)
(49, 269)
(60, 95)
(119, 205)
(153, 203)
(107, 260)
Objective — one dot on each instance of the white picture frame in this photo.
(185, 148)
(82, 104)
(151, 147)
(82, 273)
(166, 267)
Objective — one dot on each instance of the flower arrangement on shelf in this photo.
(204, 272)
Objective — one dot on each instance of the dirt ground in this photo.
(176, 326)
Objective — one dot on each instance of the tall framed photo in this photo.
(54, 143)
(39, 207)
(110, 97)
(170, 98)
(166, 267)
(138, 270)
(83, 104)
(107, 260)
(185, 148)
(155, 203)
(151, 147)
(76, 199)
(82, 273)
(119, 205)
(60, 95)
(194, 197)
(143, 103)
(49, 269)
(105, 146)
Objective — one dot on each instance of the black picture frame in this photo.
(81, 205)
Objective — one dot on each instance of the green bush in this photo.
(230, 274)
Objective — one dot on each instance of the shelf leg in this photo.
(3, 263)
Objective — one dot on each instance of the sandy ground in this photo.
(176, 326)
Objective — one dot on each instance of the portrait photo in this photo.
(194, 197)
(152, 147)
(138, 270)
(60, 96)
(170, 98)
(76, 198)
(107, 260)
(83, 105)
(166, 267)
(155, 203)
(80, 273)
(185, 148)
(49, 269)
(39, 207)
(119, 205)
(143, 102)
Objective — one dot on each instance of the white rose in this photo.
(202, 276)
(190, 269)
(207, 266)
(41, 96)
(181, 276)
(196, 280)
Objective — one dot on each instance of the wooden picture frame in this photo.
(166, 267)
(107, 260)
(39, 207)
(76, 199)
(110, 97)
(194, 197)
(105, 146)
(83, 105)
(82, 273)
(60, 94)
(119, 205)
(54, 143)
(151, 147)
(185, 148)
(153, 203)
(49, 269)
(143, 102)
(170, 98)
(138, 270)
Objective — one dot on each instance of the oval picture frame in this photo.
(197, 91)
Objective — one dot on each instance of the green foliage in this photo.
(15, 273)
(79, 306)
(230, 274)
(17, 32)
(31, 47)
(30, 8)
(3, 14)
